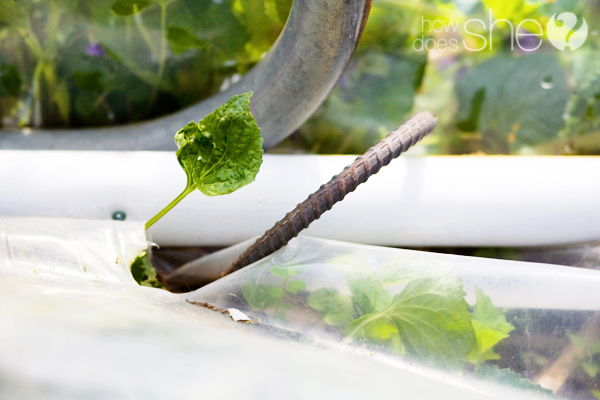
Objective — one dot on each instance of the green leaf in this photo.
(62, 99)
(128, 7)
(224, 152)
(583, 106)
(295, 286)
(375, 93)
(283, 9)
(192, 145)
(595, 393)
(368, 293)
(286, 271)
(485, 312)
(91, 81)
(505, 377)
(378, 330)
(490, 327)
(374, 328)
(591, 369)
(181, 40)
(220, 154)
(15, 13)
(578, 342)
(337, 308)
(144, 273)
(337, 319)
(471, 122)
(513, 102)
(431, 317)
(261, 20)
(515, 11)
(10, 79)
(259, 296)
(275, 292)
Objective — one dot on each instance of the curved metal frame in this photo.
(294, 78)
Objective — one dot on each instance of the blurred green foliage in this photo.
(88, 63)
(499, 100)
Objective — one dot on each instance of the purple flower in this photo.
(95, 50)
(343, 84)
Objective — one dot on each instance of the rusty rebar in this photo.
(337, 188)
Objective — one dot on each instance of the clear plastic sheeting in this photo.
(70, 333)
(74, 324)
(535, 327)
(69, 251)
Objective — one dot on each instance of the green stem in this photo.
(28, 117)
(53, 24)
(18, 51)
(188, 189)
(162, 57)
(144, 34)
(163, 41)
(31, 41)
(43, 54)
(101, 98)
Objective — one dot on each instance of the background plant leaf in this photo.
(128, 7)
(181, 40)
(512, 102)
(10, 79)
(91, 81)
(62, 99)
(374, 94)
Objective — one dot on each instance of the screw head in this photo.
(119, 216)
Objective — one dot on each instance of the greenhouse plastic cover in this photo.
(74, 323)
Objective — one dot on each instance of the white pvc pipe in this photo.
(422, 201)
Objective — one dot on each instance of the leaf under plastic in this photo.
(490, 327)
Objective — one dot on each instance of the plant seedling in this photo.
(220, 154)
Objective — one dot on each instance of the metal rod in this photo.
(337, 188)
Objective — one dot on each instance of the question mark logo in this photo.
(563, 36)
